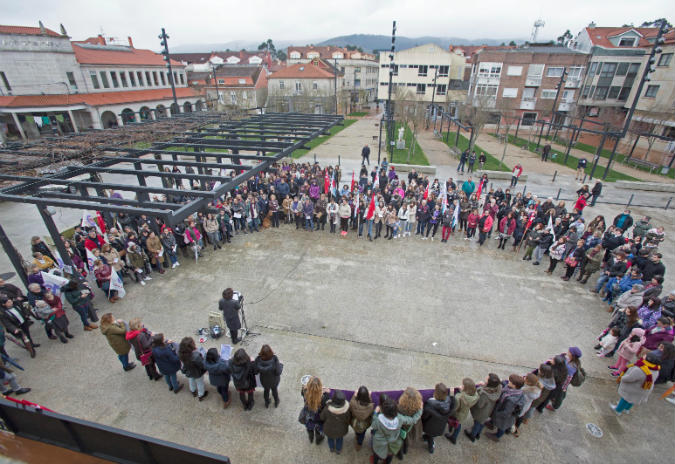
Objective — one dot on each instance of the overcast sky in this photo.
(212, 21)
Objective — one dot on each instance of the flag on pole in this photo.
(90, 220)
(480, 189)
(116, 283)
(371, 208)
(100, 222)
(530, 220)
(356, 205)
(352, 186)
(550, 226)
(53, 282)
(326, 182)
(90, 261)
(455, 216)
(444, 197)
(376, 181)
(333, 185)
(426, 192)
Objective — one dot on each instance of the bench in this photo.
(405, 168)
(638, 162)
(646, 186)
(498, 175)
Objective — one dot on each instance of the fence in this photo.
(96, 439)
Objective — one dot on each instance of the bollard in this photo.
(314, 158)
(524, 188)
(584, 181)
(630, 200)
(490, 185)
(338, 160)
(668, 203)
(557, 197)
(554, 174)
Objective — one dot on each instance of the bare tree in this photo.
(477, 113)
(411, 112)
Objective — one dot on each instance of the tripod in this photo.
(245, 331)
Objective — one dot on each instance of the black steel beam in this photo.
(115, 201)
(164, 162)
(201, 154)
(172, 175)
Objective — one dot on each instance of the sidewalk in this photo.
(437, 152)
(349, 142)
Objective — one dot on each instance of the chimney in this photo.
(42, 28)
(131, 43)
(101, 40)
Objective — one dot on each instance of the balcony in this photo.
(528, 103)
(533, 81)
(572, 83)
(565, 106)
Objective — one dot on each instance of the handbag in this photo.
(146, 358)
(571, 261)
(303, 417)
(453, 423)
(279, 368)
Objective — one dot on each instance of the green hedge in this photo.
(571, 160)
(401, 156)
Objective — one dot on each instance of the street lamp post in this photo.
(165, 43)
(390, 128)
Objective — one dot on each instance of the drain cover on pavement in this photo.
(594, 430)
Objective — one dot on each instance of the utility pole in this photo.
(433, 97)
(335, 84)
(165, 43)
(555, 102)
(215, 79)
(390, 128)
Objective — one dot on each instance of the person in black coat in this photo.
(38, 246)
(14, 319)
(243, 377)
(167, 362)
(652, 267)
(268, 366)
(623, 221)
(230, 308)
(595, 192)
(435, 414)
(219, 374)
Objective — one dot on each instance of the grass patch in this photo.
(492, 163)
(606, 153)
(559, 158)
(358, 114)
(401, 156)
(321, 139)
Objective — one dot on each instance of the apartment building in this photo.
(236, 87)
(94, 83)
(523, 82)
(425, 73)
(310, 87)
(360, 69)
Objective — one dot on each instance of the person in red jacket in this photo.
(506, 227)
(471, 224)
(484, 226)
(581, 203)
(94, 240)
(515, 174)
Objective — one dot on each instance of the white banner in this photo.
(117, 284)
(53, 282)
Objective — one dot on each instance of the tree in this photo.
(565, 38)
(513, 44)
(657, 23)
(268, 46)
(410, 111)
(476, 112)
(281, 55)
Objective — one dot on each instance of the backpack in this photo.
(579, 377)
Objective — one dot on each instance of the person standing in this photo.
(462, 161)
(243, 377)
(115, 331)
(361, 408)
(140, 340)
(595, 192)
(484, 226)
(581, 169)
(482, 159)
(435, 414)
(167, 362)
(386, 426)
(365, 155)
(472, 160)
(315, 399)
(488, 393)
(465, 399)
(270, 368)
(508, 406)
(545, 152)
(193, 367)
(515, 174)
(230, 308)
(637, 382)
(336, 417)
(219, 374)
(623, 221)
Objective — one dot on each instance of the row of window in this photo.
(422, 69)
(131, 79)
(298, 85)
(420, 89)
(534, 71)
(615, 92)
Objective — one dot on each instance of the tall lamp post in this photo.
(390, 128)
(165, 43)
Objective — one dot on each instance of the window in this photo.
(665, 59)
(155, 78)
(242, 81)
(5, 81)
(623, 95)
(281, 84)
(315, 85)
(132, 78)
(139, 75)
(608, 70)
(421, 89)
(633, 69)
(233, 98)
(298, 86)
(94, 79)
(591, 70)
(652, 90)
(443, 71)
(622, 69)
(548, 94)
(568, 96)
(510, 93)
(113, 76)
(574, 72)
(357, 69)
(514, 71)
(601, 93)
(104, 79)
(486, 90)
(556, 71)
(175, 78)
(123, 78)
(597, 71)
(422, 70)
(614, 91)
(221, 81)
(161, 76)
(148, 81)
(529, 119)
(182, 78)
(627, 42)
(584, 93)
(441, 89)
(71, 80)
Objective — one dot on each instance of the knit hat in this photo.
(638, 287)
(575, 351)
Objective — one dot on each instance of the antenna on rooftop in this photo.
(539, 23)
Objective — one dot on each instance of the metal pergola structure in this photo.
(260, 140)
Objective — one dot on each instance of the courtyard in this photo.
(386, 315)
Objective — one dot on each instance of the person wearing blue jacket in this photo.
(219, 374)
(166, 361)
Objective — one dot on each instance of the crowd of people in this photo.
(624, 254)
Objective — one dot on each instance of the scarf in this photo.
(646, 367)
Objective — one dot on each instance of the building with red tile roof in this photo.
(241, 87)
(91, 83)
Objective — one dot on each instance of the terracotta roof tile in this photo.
(25, 30)
(304, 71)
(600, 35)
(87, 53)
(95, 99)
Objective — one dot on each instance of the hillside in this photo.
(383, 42)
